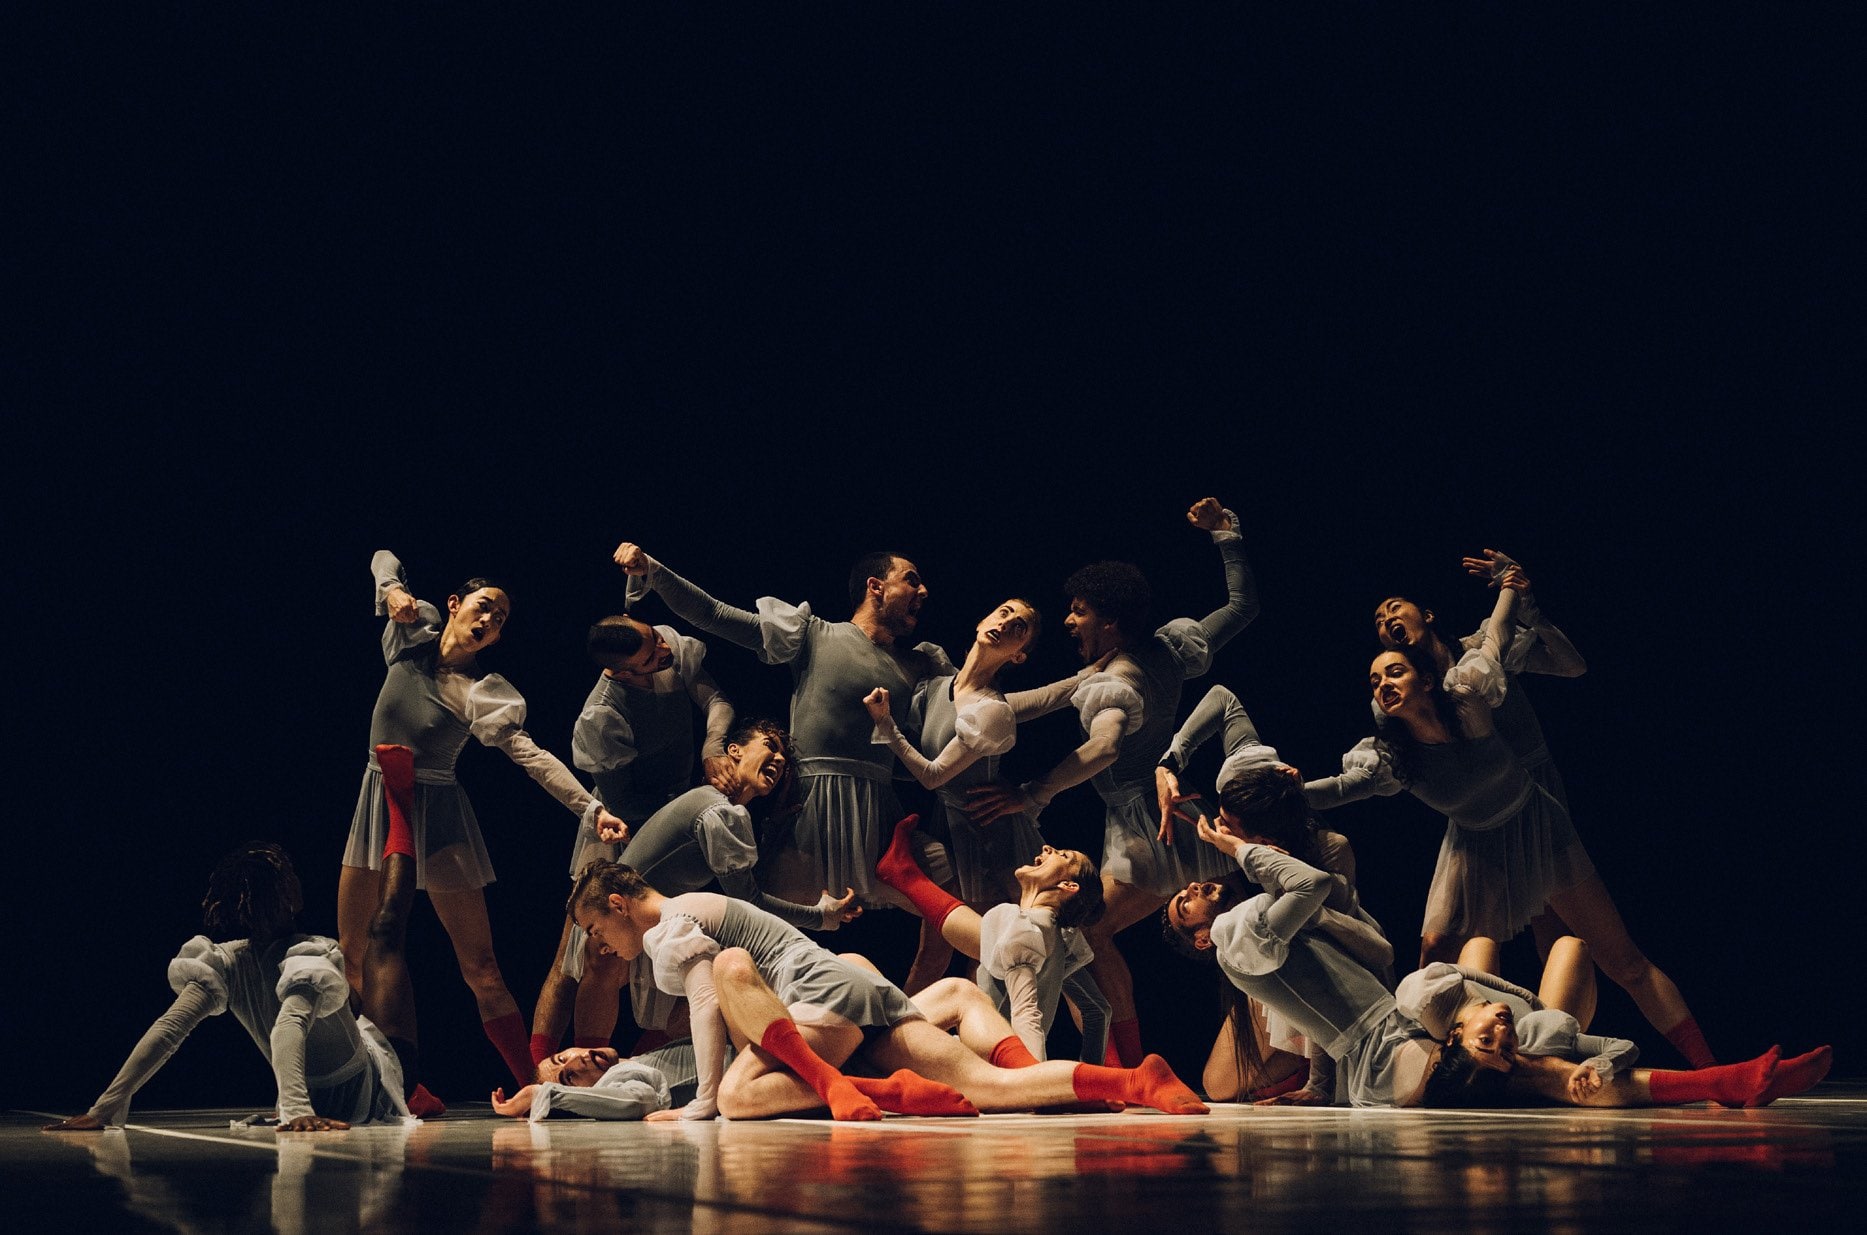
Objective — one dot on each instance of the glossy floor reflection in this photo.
(1796, 1164)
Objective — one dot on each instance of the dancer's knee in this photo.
(735, 966)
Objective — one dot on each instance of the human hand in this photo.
(719, 771)
(632, 559)
(77, 1123)
(401, 606)
(1296, 1097)
(1583, 1083)
(519, 1105)
(876, 701)
(609, 829)
(1167, 794)
(1491, 567)
(1208, 515)
(1224, 841)
(842, 908)
(986, 803)
(314, 1123)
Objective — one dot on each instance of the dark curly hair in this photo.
(253, 890)
(1118, 591)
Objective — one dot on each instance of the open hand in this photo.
(314, 1123)
(519, 1105)
(77, 1123)
(986, 803)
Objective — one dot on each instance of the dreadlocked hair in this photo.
(253, 889)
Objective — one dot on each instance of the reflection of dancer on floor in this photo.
(1127, 713)
(414, 828)
(636, 736)
(844, 778)
(703, 841)
(287, 990)
(1509, 851)
(1268, 945)
(1261, 800)
(1026, 951)
(797, 1012)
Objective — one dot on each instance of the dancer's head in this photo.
(1188, 917)
(253, 893)
(1399, 622)
(761, 753)
(629, 650)
(1066, 881)
(888, 588)
(476, 613)
(1109, 604)
(1008, 631)
(1474, 1067)
(599, 903)
(1264, 804)
(581, 1066)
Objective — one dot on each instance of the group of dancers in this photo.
(700, 860)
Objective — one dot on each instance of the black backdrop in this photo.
(762, 291)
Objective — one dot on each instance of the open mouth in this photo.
(1397, 631)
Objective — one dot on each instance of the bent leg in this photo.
(556, 998)
(359, 890)
(1590, 912)
(1481, 952)
(1569, 979)
(1123, 906)
(463, 916)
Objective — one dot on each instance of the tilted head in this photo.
(253, 893)
(581, 1066)
(1010, 629)
(761, 753)
(1399, 622)
(1109, 606)
(1189, 914)
(1266, 804)
(889, 587)
(599, 903)
(476, 613)
(628, 649)
(1067, 881)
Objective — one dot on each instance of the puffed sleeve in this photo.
(495, 708)
(496, 716)
(400, 638)
(1186, 638)
(672, 945)
(1017, 941)
(205, 964)
(1432, 996)
(724, 833)
(781, 629)
(602, 739)
(1104, 692)
(1367, 771)
(1243, 940)
(317, 967)
(1480, 675)
(939, 664)
(986, 725)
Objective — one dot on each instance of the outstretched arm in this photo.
(1098, 751)
(953, 759)
(1223, 624)
(192, 1005)
(827, 914)
(693, 605)
(1551, 652)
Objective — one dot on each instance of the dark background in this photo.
(762, 290)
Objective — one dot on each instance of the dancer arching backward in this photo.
(1026, 951)
(844, 777)
(1537, 646)
(636, 735)
(434, 697)
(1261, 800)
(798, 1012)
(598, 1083)
(287, 990)
(702, 841)
(1269, 947)
(1127, 712)
(1509, 849)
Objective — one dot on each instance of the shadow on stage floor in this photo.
(1798, 1163)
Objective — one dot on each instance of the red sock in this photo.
(845, 1102)
(909, 1093)
(424, 1105)
(1012, 1053)
(1691, 1043)
(1290, 1084)
(898, 869)
(1794, 1076)
(543, 1047)
(508, 1036)
(1731, 1084)
(1152, 1084)
(398, 783)
(1111, 1057)
(1125, 1037)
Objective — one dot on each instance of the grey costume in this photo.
(1554, 1032)
(291, 998)
(634, 1088)
(1144, 684)
(1269, 948)
(849, 802)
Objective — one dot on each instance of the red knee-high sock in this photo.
(845, 1102)
(898, 869)
(1731, 1084)
(1690, 1042)
(909, 1093)
(543, 1047)
(1125, 1037)
(1012, 1053)
(398, 783)
(424, 1105)
(1794, 1076)
(508, 1036)
(1152, 1084)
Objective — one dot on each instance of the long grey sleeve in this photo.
(1084, 992)
(192, 1006)
(743, 885)
(1301, 888)
(1223, 624)
(290, 1032)
(705, 613)
(1218, 710)
(1609, 1057)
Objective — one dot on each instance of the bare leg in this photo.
(1546, 928)
(956, 1004)
(388, 991)
(599, 995)
(1569, 979)
(918, 1046)
(1590, 912)
(757, 1086)
(755, 1016)
(1481, 952)
(359, 889)
(931, 958)
(1123, 906)
(1435, 948)
(556, 997)
(463, 916)
(1221, 1079)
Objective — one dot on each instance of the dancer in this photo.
(597, 1083)
(287, 990)
(434, 697)
(636, 735)
(1026, 951)
(1127, 713)
(1509, 849)
(844, 777)
(744, 970)
(700, 841)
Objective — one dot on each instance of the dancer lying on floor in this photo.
(798, 1012)
(287, 990)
